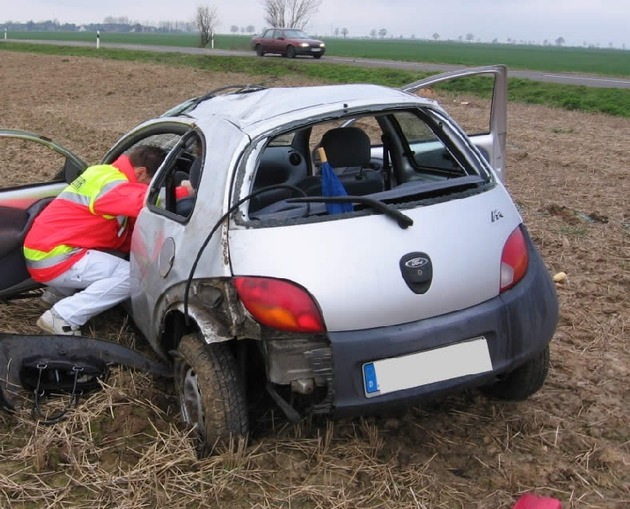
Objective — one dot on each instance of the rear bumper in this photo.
(517, 325)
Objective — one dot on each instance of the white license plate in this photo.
(415, 370)
(315, 50)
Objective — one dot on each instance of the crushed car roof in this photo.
(261, 105)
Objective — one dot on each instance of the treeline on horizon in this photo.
(120, 25)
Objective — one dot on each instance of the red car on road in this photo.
(288, 42)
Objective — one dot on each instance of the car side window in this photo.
(173, 189)
(429, 156)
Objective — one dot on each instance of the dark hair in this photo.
(148, 156)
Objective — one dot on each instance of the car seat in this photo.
(14, 225)
(347, 147)
(348, 150)
(185, 205)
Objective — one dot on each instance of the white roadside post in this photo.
(98, 39)
(5, 34)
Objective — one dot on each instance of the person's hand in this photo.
(188, 186)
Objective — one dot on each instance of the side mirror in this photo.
(71, 170)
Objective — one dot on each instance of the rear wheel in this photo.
(211, 392)
(290, 52)
(523, 381)
(259, 50)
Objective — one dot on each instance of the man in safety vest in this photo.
(68, 247)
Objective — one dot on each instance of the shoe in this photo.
(49, 298)
(53, 323)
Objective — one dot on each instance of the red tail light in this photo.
(279, 304)
(513, 260)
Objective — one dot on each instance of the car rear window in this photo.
(398, 157)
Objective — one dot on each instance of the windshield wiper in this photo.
(402, 220)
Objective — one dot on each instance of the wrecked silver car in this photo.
(349, 249)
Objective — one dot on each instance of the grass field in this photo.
(612, 62)
(610, 101)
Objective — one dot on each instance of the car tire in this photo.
(290, 52)
(210, 391)
(259, 51)
(523, 381)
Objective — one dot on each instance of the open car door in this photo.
(35, 170)
(477, 100)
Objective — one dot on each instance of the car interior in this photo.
(184, 162)
(391, 157)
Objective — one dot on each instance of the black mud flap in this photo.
(73, 365)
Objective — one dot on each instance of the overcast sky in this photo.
(578, 21)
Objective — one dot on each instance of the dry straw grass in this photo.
(119, 449)
(122, 447)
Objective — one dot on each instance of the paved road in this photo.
(564, 78)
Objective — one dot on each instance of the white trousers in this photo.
(104, 281)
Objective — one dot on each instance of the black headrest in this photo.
(347, 146)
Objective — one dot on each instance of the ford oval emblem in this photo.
(417, 262)
(416, 269)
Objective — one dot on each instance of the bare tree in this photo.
(436, 36)
(289, 13)
(344, 32)
(206, 20)
(382, 33)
